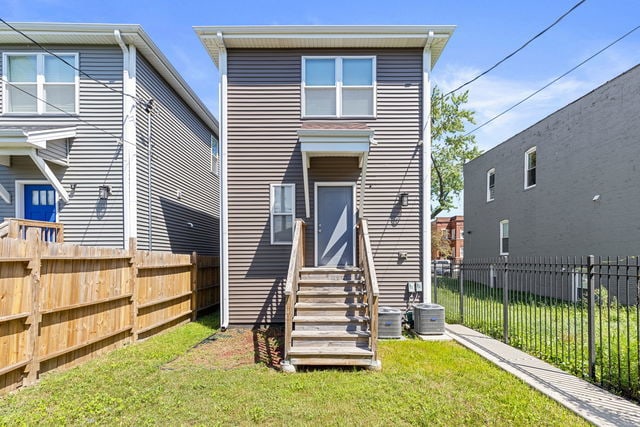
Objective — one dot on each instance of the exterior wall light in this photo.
(104, 191)
(404, 199)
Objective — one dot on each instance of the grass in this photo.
(556, 330)
(422, 383)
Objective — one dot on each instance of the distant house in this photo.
(452, 229)
(567, 186)
(323, 124)
(99, 131)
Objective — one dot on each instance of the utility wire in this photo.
(66, 62)
(553, 81)
(66, 113)
(517, 50)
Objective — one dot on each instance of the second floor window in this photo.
(338, 86)
(491, 184)
(530, 160)
(215, 156)
(40, 83)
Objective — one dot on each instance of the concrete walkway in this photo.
(585, 399)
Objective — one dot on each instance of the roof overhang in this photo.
(326, 37)
(50, 33)
(11, 138)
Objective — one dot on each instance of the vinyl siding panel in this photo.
(264, 107)
(181, 161)
(95, 156)
(56, 151)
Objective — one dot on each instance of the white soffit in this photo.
(33, 138)
(326, 37)
(49, 33)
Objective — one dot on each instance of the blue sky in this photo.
(487, 31)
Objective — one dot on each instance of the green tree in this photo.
(450, 148)
(440, 245)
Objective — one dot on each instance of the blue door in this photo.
(40, 202)
(335, 226)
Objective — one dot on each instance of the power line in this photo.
(66, 113)
(517, 50)
(67, 62)
(553, 81)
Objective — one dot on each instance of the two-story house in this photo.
(566, 186)
(98, 131)
(328, 125)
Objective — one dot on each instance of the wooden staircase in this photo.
(331, 314)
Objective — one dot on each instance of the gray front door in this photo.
(335, 226)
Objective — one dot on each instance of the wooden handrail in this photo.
(49, 231)
(365, 258)
(296, 262)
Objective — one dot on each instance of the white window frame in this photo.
(272, 214)
(504, 221)
(339, 86)
(19, 197)
(40, 84)
(490, 172)
(526, 167)
(215, 158)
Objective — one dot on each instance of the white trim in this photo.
(48, 173)
(339, 86)
(489, 172)
(129, 134)
(425, 193)
(271, 213)
(315, 215)
(40, 84)
(306, 161)
(504, 221)
(224, 196)
(4, 194)
(19, 206)
(526, 165)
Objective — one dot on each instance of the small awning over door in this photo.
(37, 143)
(334, 139)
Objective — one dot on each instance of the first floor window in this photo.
(282, 213)
(40, 83)
(504, 237)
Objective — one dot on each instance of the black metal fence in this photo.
(581, 313)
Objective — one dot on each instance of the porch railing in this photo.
(16, 228)
(365, 259)
(296, 262)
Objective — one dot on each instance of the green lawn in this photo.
(422, 383)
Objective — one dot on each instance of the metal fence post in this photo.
(461, 284)
(505, 302)
(591, 316)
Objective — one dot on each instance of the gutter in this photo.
(426, 170)
(224, 197)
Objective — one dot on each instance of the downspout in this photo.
(129, 173)
(224, 198)
(426, 169)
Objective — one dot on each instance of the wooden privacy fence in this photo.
(63, 304)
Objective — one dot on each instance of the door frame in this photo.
(315, 215)
(19, 198)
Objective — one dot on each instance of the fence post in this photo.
(194, 286)
(591, 317)
(35, 253)
(435, 283)
(505, 301)
(461, 284)
(133, 276)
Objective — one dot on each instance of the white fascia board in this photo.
(40, 138)
(231, 31)
(48, 173)
(342, 147)
(330, 133)
(5, 195)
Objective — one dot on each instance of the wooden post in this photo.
(194, 286)
(133, 276)
(14, 229)
(35, 253)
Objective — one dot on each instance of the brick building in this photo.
(453, 229)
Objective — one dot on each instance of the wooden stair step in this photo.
(332, 293)
(330, 282)
(330, 305)
(330, 319)
(330, 270)
(330, 334)
(329, 351)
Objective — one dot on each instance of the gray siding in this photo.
(181, 161)
(56, 151)
(588, 148)
(95, 155)
(264, 103)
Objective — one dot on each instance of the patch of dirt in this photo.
(235, 348)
